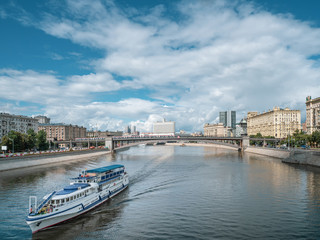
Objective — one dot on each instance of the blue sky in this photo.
(107, 64)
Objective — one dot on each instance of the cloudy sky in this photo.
(107, 64)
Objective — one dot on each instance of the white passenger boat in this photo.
(88, 190)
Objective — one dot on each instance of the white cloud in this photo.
(215, 56)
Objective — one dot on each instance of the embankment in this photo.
(271, 152)
(12, 163)
(304, 157)
(216, 145)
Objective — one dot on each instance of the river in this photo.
(177, 193)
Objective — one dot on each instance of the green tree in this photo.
(6, 142)
(19, 141)
(315, 138)
(42, 143)
(31, 139)
(258, 135)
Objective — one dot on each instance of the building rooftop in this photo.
(13, 115)
(58, 124)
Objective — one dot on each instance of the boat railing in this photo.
(32, 204)
(45, 202)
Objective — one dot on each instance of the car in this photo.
(305, 147)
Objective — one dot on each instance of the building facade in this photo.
(18, 123)
(42, 119)
(228, 118)
(217, 130)
(63, 132)
(278, 123)
(241, 128)
(313, 114)
(102, 134)
(164, 128)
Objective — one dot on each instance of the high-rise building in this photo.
(278, 123)
(133, 129)
(313, 114)
(18, 123)
(127, 130)
(164, 128)
(228, 119)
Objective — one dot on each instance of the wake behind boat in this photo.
(87, 191)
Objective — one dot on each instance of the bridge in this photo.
(117, 143)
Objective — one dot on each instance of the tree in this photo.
(6, 142)
(19, 141)
(31, 139)
(42, 143)
(315, 138)
(258, 135)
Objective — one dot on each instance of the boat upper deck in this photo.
(105, 169)
(72, 188)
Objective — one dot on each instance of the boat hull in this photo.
(39, 223)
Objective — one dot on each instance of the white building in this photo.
(42, 119)
(164, 128)
(18, 123)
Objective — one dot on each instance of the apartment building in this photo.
(18, 123)
(42, 119)
(278, 122)
(102, 134)
(313, 114)
(62, 132)
(217, 130)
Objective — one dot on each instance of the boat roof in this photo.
(72, 188)
(105, 169)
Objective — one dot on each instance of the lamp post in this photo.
(12, 144)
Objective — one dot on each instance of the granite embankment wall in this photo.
(304, 157)
(12, 163)
(216, 145)
(271, 152)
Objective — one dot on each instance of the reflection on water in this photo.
(177, 193)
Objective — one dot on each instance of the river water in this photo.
(177, 193)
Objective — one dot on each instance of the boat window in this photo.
(71, 198)
(57, 201)
(103, 177)
(107, 176)
(67, 200)
(62, 200)
(77, 195)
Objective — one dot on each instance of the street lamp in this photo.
(12, 144)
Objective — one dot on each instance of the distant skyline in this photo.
(108, 64)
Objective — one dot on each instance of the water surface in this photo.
(177, 193)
